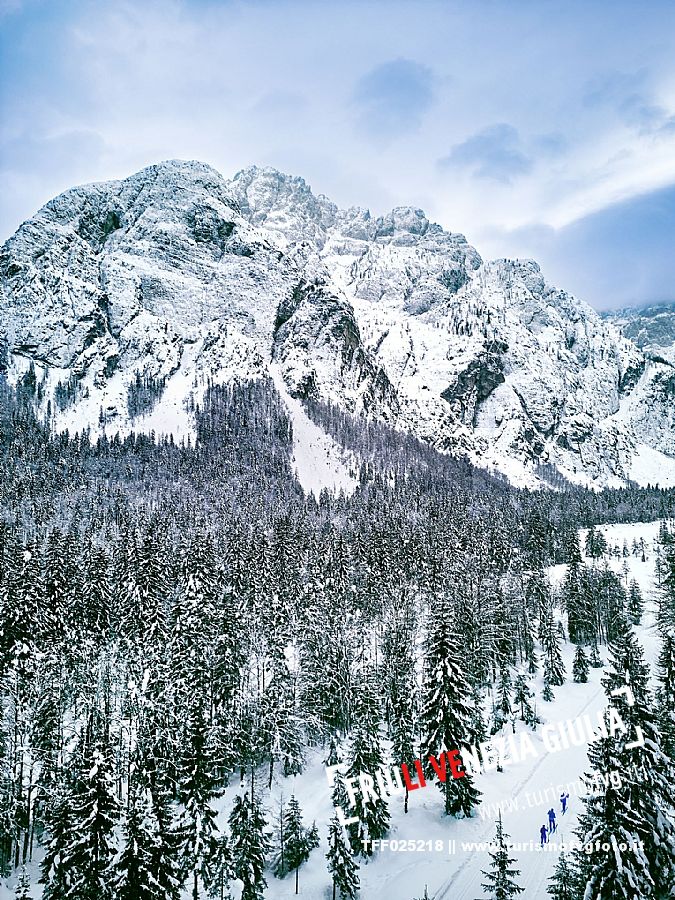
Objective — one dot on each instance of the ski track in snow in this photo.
(545, 761)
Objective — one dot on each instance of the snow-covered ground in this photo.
(319, 462)
(650, 466)
(524, 790)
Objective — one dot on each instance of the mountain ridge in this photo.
(177, 273)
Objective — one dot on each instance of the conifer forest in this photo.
(182, 620)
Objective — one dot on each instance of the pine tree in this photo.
(198, 787)
(296, 838)
(366, 758)
(166, 864)
(249, 846)
(341, 865)
(134, 877)
(55, 867)
(577, 599)
(547, 693)
(580, 666)
(505, 692)
(333, 758)
(554, 667)
(561, 883)
(665, 695)
(521, 697)
(596, 543)
(95, 811)
(22, 891)
(499, 883)
(635, 605)
(445, 715)
(220, 870)
(594, 658)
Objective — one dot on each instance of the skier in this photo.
(563, 802)
(551, 819)
(542, 833)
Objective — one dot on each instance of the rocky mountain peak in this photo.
(179, 275)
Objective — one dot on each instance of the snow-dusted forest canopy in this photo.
(179, 620)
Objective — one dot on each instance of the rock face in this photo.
(650, 408)
(177, 274)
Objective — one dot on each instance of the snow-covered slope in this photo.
(177, 273)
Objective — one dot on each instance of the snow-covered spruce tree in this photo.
(561, 883)
(537, 596)
(93, 817)
(547, 693)
(403, 742)
(220, 870)
(445, 716)
(152, 585)
(334, 758)
(594, 658)
(595, 544)
(327, 652)
(499, 881)
(282, 729)
(504, 692)
(667, 598)
(554, 667)
(665, 695)
(635, 605)
(580, 666)
(639, 813)
(297, 839)
(135, 876)
(55, 866)
(576, 598)
(342, 866)
(22, 891)
(56, 587)
(20, 612)
(521, 697)
(339, 796)
(365, 758)
(610, 600)
(401, 687)
(198, 787)
(249, 846)
(96, 592)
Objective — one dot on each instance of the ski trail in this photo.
(538, 874)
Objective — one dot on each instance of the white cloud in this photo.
(361, 103)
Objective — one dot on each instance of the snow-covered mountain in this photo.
(652, 328)
(177, 274)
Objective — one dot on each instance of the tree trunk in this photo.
(296, 879)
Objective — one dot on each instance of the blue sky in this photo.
(543, 129)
